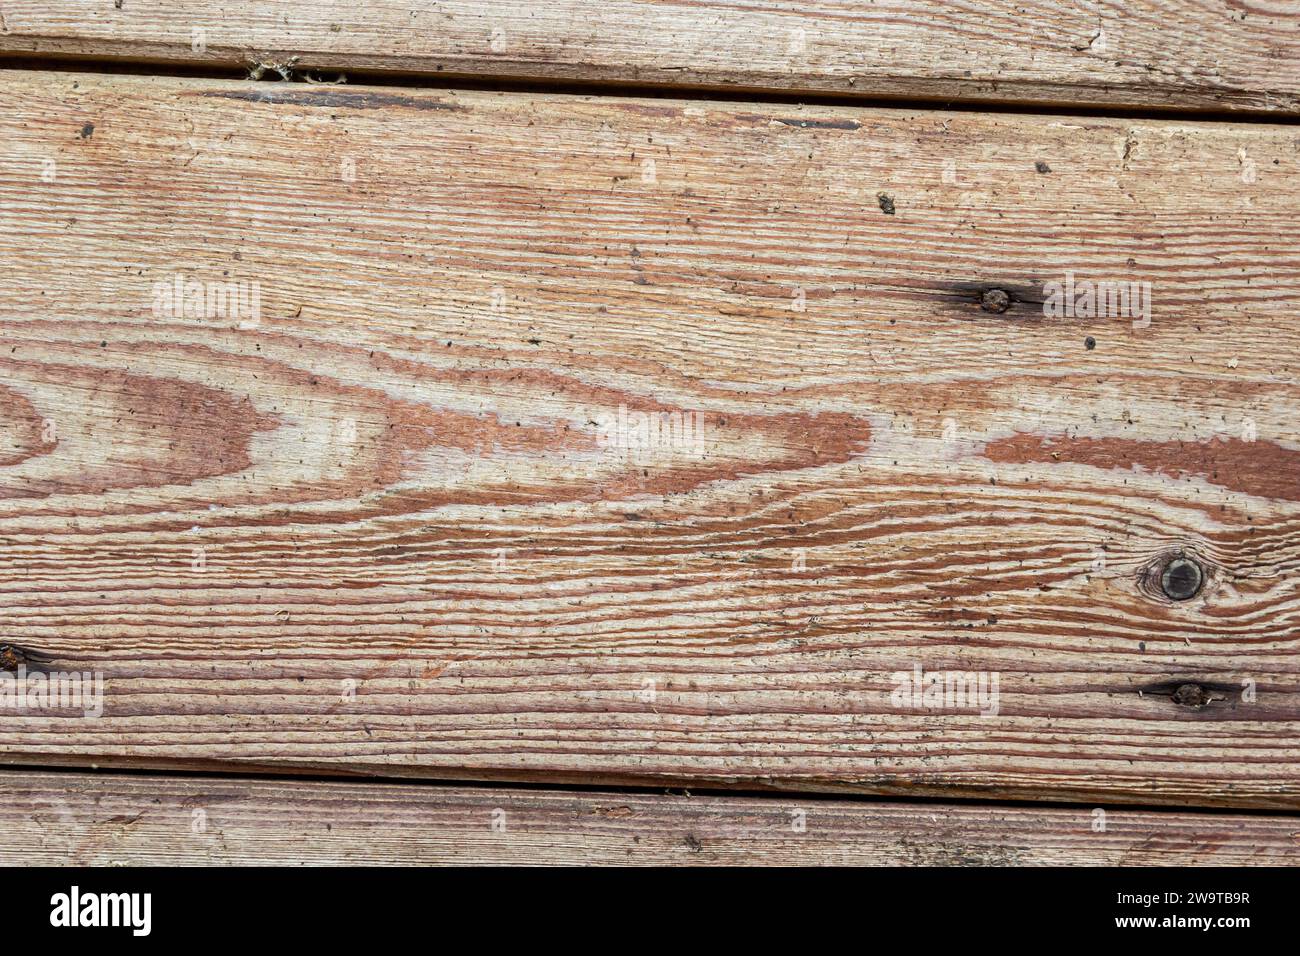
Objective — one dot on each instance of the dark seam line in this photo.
(678, 789)
(450, 81)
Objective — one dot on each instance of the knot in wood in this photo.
(1181, 579)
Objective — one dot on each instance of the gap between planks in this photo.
(578, 87)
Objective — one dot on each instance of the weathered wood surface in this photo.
(1208, 54)
(109, 819)
(380, 530)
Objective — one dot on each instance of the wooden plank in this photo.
(111, 820)
(394, 527)
(1206, 54)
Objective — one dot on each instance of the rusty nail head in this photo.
(995, 300)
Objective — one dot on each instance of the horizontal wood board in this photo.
(114, 820)
(401, 520)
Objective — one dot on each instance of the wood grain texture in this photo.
(113, 820)
(381, 530)
(1207, 54)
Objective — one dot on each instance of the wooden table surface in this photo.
(402, 400)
